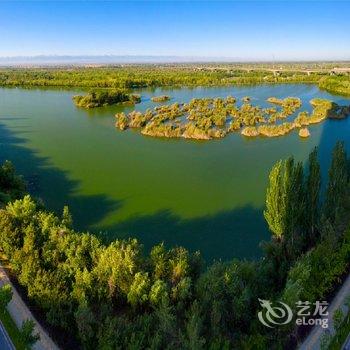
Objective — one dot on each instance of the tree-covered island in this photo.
(99, 98)
(161, 98)
(209, 118)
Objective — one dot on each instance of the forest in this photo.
(116, 296)
(339, 85)
(137, 76)
(140, 76)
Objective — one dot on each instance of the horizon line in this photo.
(139, 56)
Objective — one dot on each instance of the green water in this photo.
(204, 195)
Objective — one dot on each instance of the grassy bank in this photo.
(12, 330)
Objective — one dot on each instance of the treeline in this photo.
(12, 186)
(145, 76)
(153, 76)
(115, 297)
(99, 98)
(336, 84)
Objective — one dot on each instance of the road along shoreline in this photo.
(20, 312)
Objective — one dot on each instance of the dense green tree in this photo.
(315, 273)
(160, 261)
(27, 333)
(87, 326)
(139, 289)
(137, 76)
(285, 199)
(12, 186)
(194, 328)
(67, 219)
(337, 188)
(167, 329)
(313, 185)
(22, 210)
(159, 293)
(294, 199)
(98, 98)
(5, 296)
(275, 211)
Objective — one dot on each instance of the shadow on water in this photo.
(59, 190)
(224, 235)
(333, 130)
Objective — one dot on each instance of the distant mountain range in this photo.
(96, 60)
(104, 59)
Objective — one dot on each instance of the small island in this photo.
(161, 98)
(304, 132)
(100, 98)
(211, 118)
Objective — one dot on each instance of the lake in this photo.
(204, 195)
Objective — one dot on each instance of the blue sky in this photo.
(239, 30)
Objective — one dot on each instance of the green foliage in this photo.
(86, 324)
(159, 293)
(114, 297)
(336, 84)
(275, 211)
(322, 109)
(206, 118)
(22, 210)
(27, 333)
(12, 330)
(325, 341)
(317, 271)
(194, 328)
(342, 331)
(5, 296)
(67, 219)
(138, 76)
(68, 274)
(313, 185)
(12, 186)
(161, 98)
(337, 189)
(338, 318)
(138, 293)
(210, 118)
(285, 198)
(152, 76)
(98, 98)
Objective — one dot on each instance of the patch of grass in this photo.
(12, 330)
(341, 335)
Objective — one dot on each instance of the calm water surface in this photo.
(204, 195)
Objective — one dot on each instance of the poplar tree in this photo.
(294, 197)
(313, 185)
(285, 198)
(275, 210)
(337, 184)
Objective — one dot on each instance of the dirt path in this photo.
(313, 340)
(20, 312)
